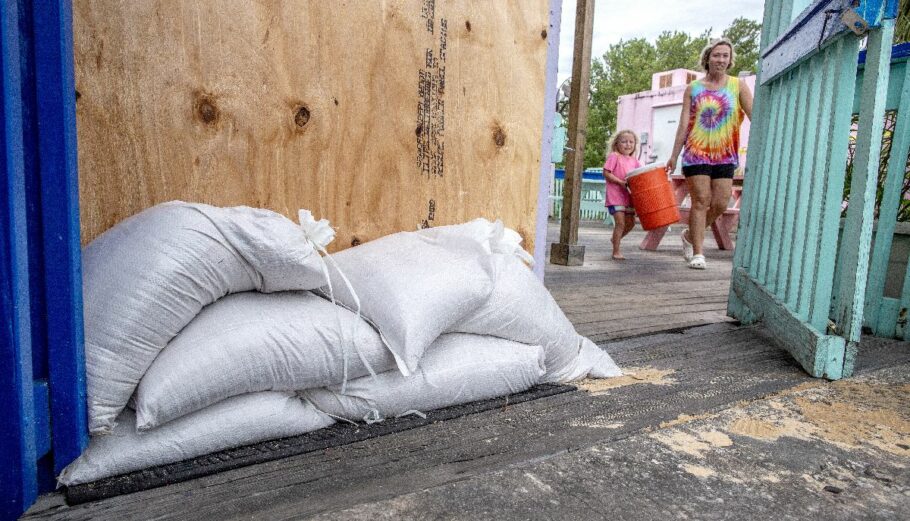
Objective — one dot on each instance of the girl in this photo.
(619, 203)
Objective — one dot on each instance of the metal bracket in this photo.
(854, 22)
(901, 325)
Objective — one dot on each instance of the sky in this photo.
(616, 20)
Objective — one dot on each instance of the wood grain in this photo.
(307, 104)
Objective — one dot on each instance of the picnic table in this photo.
(721, 227)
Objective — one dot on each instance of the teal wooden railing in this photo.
(591, 206)
(788, 249)
(885, 315)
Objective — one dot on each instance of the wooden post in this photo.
(567, 251)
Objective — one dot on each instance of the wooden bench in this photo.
(722, 226)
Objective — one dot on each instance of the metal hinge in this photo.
(854, 22)
(901, 325)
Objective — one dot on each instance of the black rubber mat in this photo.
(341, 433)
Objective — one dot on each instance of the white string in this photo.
(320, 234)
(330, 415)
(354, 296)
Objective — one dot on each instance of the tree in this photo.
(627, 68)
(902, 27)
(677, 50)
(745, 35)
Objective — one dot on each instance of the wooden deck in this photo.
(650, 291)
(716, 422)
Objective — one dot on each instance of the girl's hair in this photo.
(706, 52)
(615, 143)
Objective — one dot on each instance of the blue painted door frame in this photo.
(42, 370)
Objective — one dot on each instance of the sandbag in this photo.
(237, 421)
(456, 369)
(413, 287)
(148, 276)
(251, 341)
(521, 309)
(492, 236)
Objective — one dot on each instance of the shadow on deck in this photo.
(714, 422)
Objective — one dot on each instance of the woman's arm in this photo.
(745, 99)
(681, 129)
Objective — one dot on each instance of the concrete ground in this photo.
(815, 451)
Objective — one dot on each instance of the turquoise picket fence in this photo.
(887, 301)
(591, 207)
(793, 268)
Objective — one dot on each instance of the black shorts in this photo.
(715, 171)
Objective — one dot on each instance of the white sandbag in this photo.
(521, 309)
(148, 276)
(493, 236)
(413, 287)
(235, 422)
(252, 341)
(456, 369)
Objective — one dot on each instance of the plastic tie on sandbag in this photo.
(320, 234)
(304, 399)
(372, 417)
(508, 241)
(338, 418)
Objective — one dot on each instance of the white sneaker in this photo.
(688, 251)
(698, 262)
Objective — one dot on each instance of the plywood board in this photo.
(378, 115)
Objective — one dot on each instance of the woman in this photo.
(708, 134)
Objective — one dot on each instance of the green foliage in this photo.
(677, 50)
(627, 67)
(745, 35)
(902, 24)
(903, 212)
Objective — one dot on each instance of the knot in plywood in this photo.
(302, 116)
(205, 108)
(499, 136)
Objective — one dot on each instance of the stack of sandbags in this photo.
(146, 280)
(417, 292)
(207, 330)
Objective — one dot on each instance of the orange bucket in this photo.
(652, 196)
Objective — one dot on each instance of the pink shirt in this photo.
(619, 165)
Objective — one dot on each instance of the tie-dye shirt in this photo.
(714, 120)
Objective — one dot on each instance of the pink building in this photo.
(654, 114)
